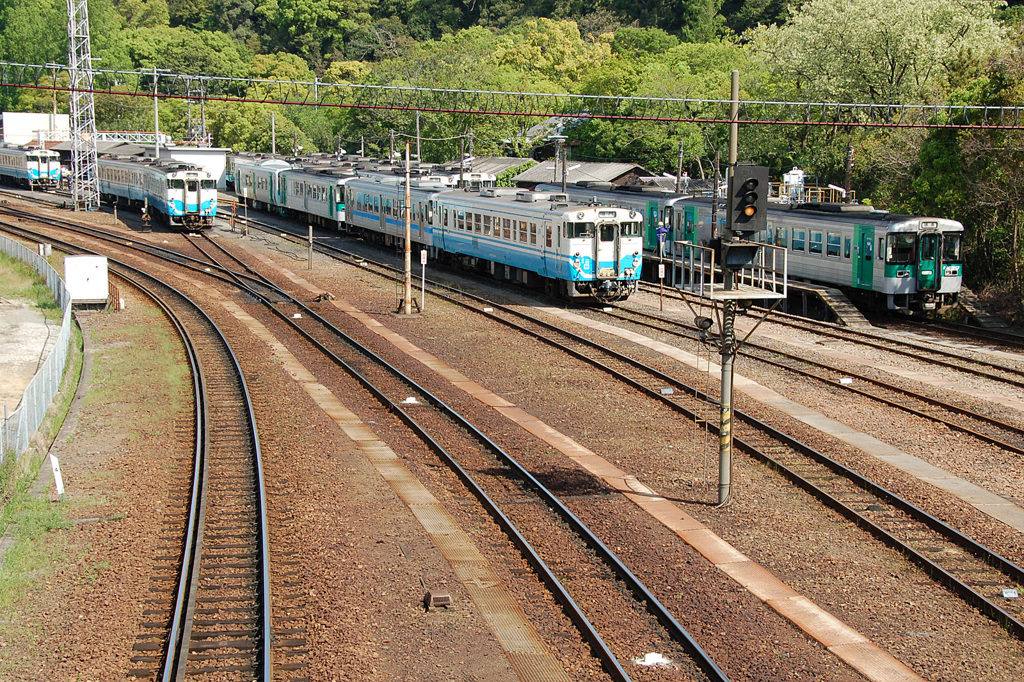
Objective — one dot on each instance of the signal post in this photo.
(733, 270)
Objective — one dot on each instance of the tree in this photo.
(877, 50)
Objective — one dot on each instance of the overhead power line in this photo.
(524, 104)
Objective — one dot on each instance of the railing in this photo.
(19, 427)
(763, 278)
(799, 194)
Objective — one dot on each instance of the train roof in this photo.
(165, 166)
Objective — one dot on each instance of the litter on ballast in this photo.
(651, 659)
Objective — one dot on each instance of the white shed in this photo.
(86, 278)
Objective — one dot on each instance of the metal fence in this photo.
(20, 426)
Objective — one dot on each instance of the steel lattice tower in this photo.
(84, 168)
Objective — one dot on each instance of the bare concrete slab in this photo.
(25, 340)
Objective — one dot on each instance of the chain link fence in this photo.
(20, 426)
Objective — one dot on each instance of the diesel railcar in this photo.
(891, 261)
(30, 167)
(540, 239)
(180, 194)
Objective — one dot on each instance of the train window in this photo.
(522, 231)
(832, 245)
(951, 247)
(446, 217)
(902, 248)
(487, 224)
(192, 185)
(579, 230)
(476, 223)
(815, 245)
(533, 233)
(208, 184)
(176, 184)
(847, 245)
(881, 248)
(799, 239)
(460, 220)
(630, 229)
(547, 236)
(782, 237)
(507, 229)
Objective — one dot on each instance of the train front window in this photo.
(579, 230)
(951, 247)
(607, 232)
(901, 248)
(630, 229)
(208, 184)
(176, 184)
(192, 185)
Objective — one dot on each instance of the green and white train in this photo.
(892, 261)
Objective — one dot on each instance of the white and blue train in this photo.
(179, 194)
(540, 239)
(891, 261)
(30, 167)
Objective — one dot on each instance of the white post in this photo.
(423, 279)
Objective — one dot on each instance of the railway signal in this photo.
(748, 201)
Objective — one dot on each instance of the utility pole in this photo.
(362, 146)
(391, 152)
(561, 153)
(156, 118)
(714, 195)
(849, 174)
(419, 159)
(728, 319)
(273, 134)
(679, 168)
(462, 160)
(407, 303)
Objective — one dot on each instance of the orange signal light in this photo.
(749, 211)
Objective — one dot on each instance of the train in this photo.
(539, 239)
(543, 240)
(884, 260)
(181, 195)
(311, 188)
(30, 167)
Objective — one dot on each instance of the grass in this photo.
(19, 282)
(25, 516)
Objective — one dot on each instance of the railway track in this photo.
(473, 455)
(915, 350)
(972, 571)
(1005, 435)
(212, 613)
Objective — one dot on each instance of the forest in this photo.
(856, 51)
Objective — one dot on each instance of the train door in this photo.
(691, 223)
(191, 195)
(928, 261)
(606, 247)
(863, 256)
(651, 233)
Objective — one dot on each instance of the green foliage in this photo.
(144, 13)
(636, 42)
(876, 50)
(34, 31)
(205, 52)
